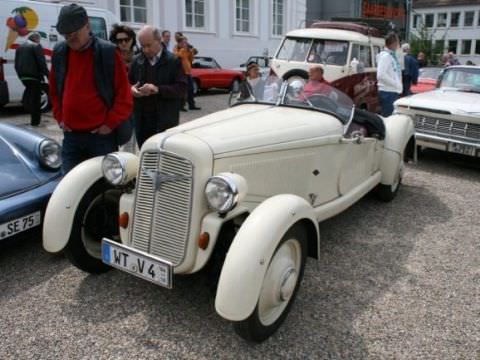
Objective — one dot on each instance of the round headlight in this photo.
(114, 169)
(221, 193)
(49, 154)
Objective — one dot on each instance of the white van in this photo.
(20, 17)
(347, 52)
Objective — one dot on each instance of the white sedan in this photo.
(238, 193)
(448, 118)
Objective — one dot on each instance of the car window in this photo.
(376, 51)
(363, 55)
(294, 49)
(98, 27)
(429, 73)
(462, 79)
(330, 52)
(204, 63)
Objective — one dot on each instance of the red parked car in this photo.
(207, 73)
(427, 79)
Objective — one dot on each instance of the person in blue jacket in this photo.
(410, 73)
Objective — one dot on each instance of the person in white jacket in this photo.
(389, 74)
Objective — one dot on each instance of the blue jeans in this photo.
(387, 99)
(80, 146)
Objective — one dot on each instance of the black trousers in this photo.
(148, 124)
(32, 100)
(190, 94)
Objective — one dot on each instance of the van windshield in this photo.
(332, 52)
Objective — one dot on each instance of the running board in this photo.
(338, 205)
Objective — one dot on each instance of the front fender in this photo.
(399, 131)
(64, 202)
(250, 253)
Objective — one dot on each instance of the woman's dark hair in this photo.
(120, 28)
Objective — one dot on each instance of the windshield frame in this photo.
(281, 101)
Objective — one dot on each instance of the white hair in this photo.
(406, 47)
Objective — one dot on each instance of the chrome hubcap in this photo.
(280, 281)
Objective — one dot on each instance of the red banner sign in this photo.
(382, 11)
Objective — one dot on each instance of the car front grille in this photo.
(449, 128)
(163, 199)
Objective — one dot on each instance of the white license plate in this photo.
(16, 226)
(461, 149)
(137, 263)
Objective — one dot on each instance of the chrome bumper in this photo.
(442, 143)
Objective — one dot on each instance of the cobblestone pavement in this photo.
(395, 281)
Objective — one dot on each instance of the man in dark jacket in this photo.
(158, 86)
(410, 73)
(89, 89)
(31, 69)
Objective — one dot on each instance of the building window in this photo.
(468, 20)
(452, 46)
(477, 47)
(195, 14)
(429, 20)
(242, 16)
(133, 11)
(277, 14)
(442, 20)
(417, 21)
(466, 47)
(454, 19)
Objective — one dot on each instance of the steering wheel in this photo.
(323, 102)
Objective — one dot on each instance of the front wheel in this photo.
(279, 288)
(96, 217)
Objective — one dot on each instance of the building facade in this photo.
(453, 24)
(228, 30)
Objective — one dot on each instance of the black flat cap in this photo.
(71, 18)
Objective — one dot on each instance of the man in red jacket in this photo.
(89, 89)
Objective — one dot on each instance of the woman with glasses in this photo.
(124, 37)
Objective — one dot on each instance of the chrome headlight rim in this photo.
(122, 165)
(44, 161)
(233, 190)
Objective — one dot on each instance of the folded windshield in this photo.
(311, 94)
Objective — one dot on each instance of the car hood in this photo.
(250, 126)
(455, 102)
(15, 175)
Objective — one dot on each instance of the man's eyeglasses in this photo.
(121, 40)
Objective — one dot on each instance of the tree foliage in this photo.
(424, 40)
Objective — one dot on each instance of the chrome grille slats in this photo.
(161, 220)
(449, 128)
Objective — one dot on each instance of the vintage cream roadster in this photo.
(238, 194)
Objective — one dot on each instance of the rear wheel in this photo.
(45, 104)
(235, 87)
(279, 289)
(96, 218)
